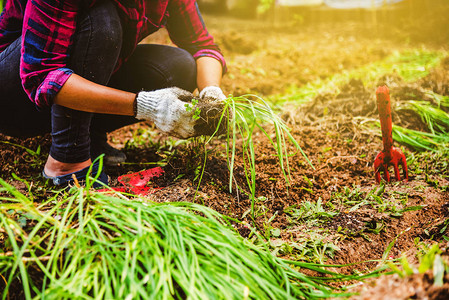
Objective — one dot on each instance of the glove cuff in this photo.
(146, 104)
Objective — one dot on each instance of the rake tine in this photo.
(386, 174)
(377, 173)
(404, 168)
(396, 172)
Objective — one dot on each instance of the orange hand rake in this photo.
(389, 155)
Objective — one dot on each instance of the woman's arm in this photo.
(209, 72)
(47, 34)
(81, 94)
(165, 107)
(188, 31)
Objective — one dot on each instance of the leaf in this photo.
(380, 190)
(276, 232)
(406, 266)
(438, 270)
(427, 260)
(395, 269)
(22, 221)
(389, 247)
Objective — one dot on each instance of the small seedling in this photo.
(190, 106)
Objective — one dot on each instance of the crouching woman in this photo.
(75, 68)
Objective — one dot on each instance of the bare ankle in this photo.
(55, 168)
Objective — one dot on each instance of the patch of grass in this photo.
(366, 211)
(91, 245)
(311, 245)
(310, 212)
(309, 239)
(436, 119)
(433, 163)
(440, 100)
(419, 140)
(415, 139)
(377, 198)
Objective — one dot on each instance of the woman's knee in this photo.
(184, 71)
(175, 66)
(154, 67)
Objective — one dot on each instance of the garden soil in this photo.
(270, 57)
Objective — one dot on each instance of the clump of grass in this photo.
(419, 140)
(241, 117)
(90, 245)
(436, 119)
(425, 164)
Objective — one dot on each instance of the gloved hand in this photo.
(167, 109)
(212, 93)
(172, 112)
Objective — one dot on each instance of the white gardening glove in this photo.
(167, 109)
(212, 93)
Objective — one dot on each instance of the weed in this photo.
(189, 107)
(430, 166)
(312, 245)
(376, 200)
(311, 212)
(393, 204)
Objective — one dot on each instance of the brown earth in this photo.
(267, 58)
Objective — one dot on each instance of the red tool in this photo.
(138, 183)
(389, 155)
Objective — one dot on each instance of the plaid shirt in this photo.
(47, 28)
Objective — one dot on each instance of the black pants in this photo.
(97, 46)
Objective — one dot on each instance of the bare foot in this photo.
(55, 168)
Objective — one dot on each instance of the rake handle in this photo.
(384, 107)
